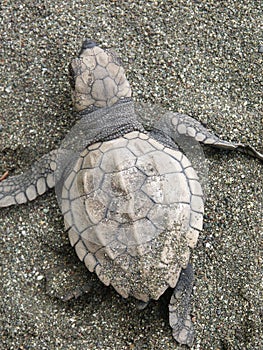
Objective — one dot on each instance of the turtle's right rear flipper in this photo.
(180, 307)
(27, 186)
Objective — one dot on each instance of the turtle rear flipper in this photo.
(27, 186)
(179, 308)
(68, 282)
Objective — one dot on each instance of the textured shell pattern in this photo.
(133, 207)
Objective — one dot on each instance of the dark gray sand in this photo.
(202, 58)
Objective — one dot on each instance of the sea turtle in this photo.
(131, 200)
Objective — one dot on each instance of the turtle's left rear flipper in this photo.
(27, 186)
(69, 281)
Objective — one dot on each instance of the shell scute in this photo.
(134, 213)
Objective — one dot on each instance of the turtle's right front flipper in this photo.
(178, 126)
(27, 186)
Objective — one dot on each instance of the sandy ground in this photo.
(201, 58)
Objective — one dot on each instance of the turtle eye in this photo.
(71, 74)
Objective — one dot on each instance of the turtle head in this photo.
(97, 78)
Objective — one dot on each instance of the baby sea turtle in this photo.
(132, 202)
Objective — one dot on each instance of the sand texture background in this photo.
(200, 58)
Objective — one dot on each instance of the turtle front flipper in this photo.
(27, 186)
(179, 308)
(180, 126)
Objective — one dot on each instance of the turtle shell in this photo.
(133, 207)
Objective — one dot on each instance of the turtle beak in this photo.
(87, 44)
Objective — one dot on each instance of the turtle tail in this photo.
(27, 186)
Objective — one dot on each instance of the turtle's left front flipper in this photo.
(27, 186)
(178, 126)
